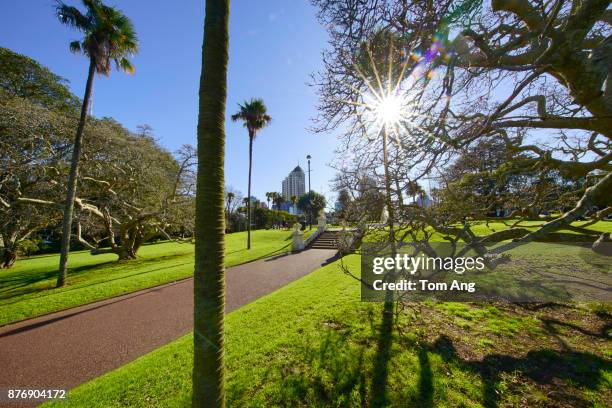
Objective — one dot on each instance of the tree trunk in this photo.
(209, 278)
(249, 191)
(72, 179)
(388, 201)
(9, 256)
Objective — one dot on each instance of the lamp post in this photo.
(308, 157)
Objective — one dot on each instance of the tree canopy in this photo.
(22, 76)
(526, 81)
(131, 188)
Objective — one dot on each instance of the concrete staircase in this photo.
(327, 240)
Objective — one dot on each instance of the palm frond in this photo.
(72, 17)
(125, 65)
(109, 34)
(254, 114)
(75, 47)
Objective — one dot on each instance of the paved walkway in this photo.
(67, 348)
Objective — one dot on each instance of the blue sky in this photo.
(274, 46)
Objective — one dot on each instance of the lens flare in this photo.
(388, 110)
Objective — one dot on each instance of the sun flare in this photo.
(388, 110)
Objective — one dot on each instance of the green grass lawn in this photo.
(481, 228)
(28, 290)
(314, 343)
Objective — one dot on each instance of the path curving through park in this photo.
(64, 349)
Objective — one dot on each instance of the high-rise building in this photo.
(294, 184)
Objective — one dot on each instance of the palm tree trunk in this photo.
(72, 179)
(249, 192)
(209, 277)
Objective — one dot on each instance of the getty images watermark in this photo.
(535, 272)
(404, 264)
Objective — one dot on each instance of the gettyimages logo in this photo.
(535, 272)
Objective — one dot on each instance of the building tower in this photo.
(294, 185)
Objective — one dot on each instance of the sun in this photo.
(388, 110)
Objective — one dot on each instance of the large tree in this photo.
(533, 75)
(209, 282)
(22, 76)
(123, 200)
(108, 36)
(36, 115)
(34, 142)
(311, 204)
(255, 116)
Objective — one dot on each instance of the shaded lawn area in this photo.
(314, 343)
(28, 289)
(482, 228)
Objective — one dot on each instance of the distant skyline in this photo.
(274, 47)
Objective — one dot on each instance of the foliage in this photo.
(311, 204)
(29, 246)
(122, 194)
(34, 143)
(108, 35)
(23, 77)
(124, 200)
(266, 218)
(505, 105)
(254, 115)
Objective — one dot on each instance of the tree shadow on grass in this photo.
(426, 389)
(380, 373)
(326, 373)
(11, 283)
(543, 366)
(20, 284)
(340, 370)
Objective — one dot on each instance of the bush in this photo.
(29, 247)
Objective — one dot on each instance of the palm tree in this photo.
(279, 200)
(255, 117)
(269, 196)
(229, 198)
(108, 36)
(413, 189)
(209, 276)
(294, 200)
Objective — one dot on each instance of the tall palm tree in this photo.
(255, 116)
(279, 200)
(294, 200)
(230, 199)
(108, 36)
(209, 276)
(269, 196)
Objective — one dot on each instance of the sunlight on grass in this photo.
(325, 346)
(29, 290)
